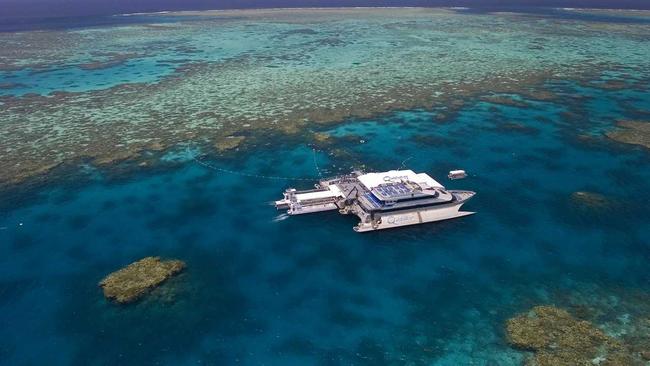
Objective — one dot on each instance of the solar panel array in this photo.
(373, 200)
(393, 190)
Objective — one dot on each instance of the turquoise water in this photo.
(79, 80)
(265, 289)
(391, 88)
(108, 93)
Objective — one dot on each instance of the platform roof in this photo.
(372, 180)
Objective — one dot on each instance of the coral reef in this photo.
(621, 313)
(107, 60)
(10, 85)
(322, 137)
(632, 132)
(638, 337)
(590, 200)
(505, 100)
(559, 339)
(133, 281)
(229, 143)
(517, 127)
(323, 140)
(170, 87)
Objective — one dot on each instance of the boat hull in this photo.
(311, 209)
(421, 216)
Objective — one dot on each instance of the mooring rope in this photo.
(252, 175)
(316, 164)
(404, 162)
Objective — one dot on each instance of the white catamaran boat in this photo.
(381, 200)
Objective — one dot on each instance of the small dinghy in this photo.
(457, 174)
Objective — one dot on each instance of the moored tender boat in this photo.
(457, 174)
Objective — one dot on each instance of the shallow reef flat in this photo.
(107, 94)
(632, 132)
(558, 339)
(138, 278)
(587, 325)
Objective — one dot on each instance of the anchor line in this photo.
(245, 174)
(316, 164)
(404, 162)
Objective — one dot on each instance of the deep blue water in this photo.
(15, 9)
(11, 24)
(265, 289)
(43, 16)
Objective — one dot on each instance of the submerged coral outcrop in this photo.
(632, 132)
(229, 143)
(559, 339)
(590, 200)
(133, 281)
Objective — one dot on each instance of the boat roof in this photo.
(372, 180)
(370, 202)
(332, 191)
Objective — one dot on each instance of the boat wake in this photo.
(281, 217)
